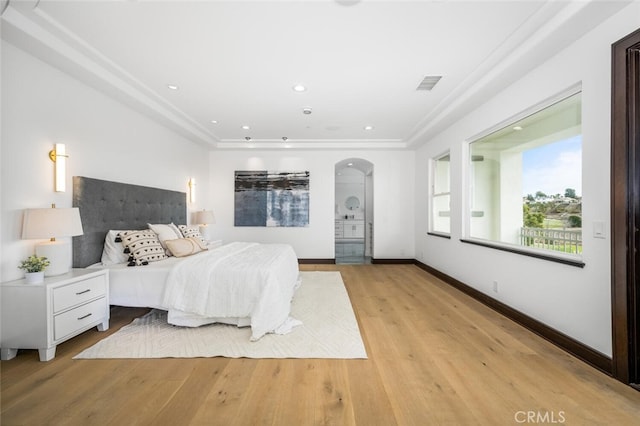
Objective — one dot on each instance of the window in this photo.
(525, 182)
(440, 222)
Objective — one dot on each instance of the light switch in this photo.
(598, 229)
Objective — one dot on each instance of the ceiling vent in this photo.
(428, 82)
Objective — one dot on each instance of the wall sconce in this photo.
(52, 223)
(59, 156)
(192, 190)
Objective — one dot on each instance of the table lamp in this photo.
(204, 218)
(52, 223)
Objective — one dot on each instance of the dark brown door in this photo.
(625, 208)
(633, 66)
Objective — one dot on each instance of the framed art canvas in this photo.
(271, 198)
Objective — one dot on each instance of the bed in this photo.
(240, 283)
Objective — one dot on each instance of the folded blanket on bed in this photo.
(238, 280)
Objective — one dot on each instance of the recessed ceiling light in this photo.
(517, 128)
(349, 164)
(172, 87)
(214, 121)
(299, 88)
(245, 127)
(306, 110)
(368, 127)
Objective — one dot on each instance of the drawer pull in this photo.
(83, 292)
(86, 316)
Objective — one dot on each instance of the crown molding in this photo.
(552, 28)
(29, 28)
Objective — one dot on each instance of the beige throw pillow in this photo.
(165, 232)
(182, 247)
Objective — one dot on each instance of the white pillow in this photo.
(113, 252)
(166, 232)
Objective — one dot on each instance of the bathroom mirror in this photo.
(352, 202)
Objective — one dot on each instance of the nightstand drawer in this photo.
(79, 292)
(78, 318)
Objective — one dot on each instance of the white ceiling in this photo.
(236, 61)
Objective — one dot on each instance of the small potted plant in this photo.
(34, 268)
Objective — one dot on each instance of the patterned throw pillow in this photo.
(191, 231)
(142, 246)
(182, 247)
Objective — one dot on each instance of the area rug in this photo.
(329, 330)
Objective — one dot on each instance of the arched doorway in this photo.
(353, 211)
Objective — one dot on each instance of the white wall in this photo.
(572, 300)
(105, 140)
(393, 188)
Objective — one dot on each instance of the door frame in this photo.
(625, 208)
(367, 168)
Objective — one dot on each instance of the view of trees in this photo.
(552, 211)
(531, 219)
(570, 193)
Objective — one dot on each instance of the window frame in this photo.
(560, 257)
(433, 161)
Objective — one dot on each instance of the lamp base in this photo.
(205, 231)
(59, 255)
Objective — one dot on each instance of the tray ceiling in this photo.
(235, 63)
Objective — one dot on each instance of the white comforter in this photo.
(250, 281)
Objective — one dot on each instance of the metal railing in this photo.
(563, 240)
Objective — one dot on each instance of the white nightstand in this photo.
(40, 316)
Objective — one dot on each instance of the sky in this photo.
(552, 168)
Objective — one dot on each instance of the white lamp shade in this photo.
(204, 217)
(51, 223)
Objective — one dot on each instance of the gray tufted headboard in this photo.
(106, 205)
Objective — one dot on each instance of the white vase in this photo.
(34, 277)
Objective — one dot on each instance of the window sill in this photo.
(536, 254)
(438, 234)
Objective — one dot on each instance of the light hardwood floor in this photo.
(436, 357)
